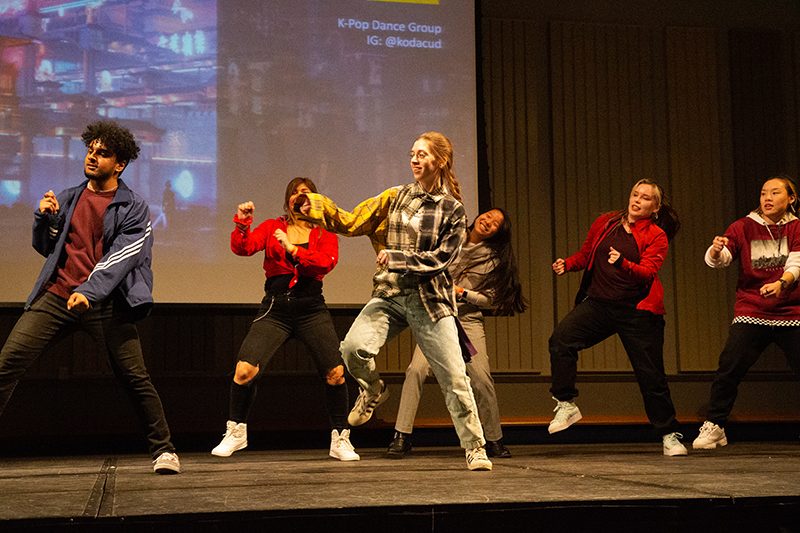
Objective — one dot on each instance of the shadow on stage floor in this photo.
(747, 486)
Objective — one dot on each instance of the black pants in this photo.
(112, 326)
(642, 335)
(308, 320)
(745, 344)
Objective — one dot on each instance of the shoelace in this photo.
(675, 437)
(362, 401)
(561, 409)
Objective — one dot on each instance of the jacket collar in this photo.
(123, 195)
(418, 192)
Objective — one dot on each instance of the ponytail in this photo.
(665, 216)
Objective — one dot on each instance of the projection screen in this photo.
(229, 101)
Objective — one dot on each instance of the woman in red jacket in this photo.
(297, 255)
(620, 293)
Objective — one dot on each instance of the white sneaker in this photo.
(341, 448)
(167, 463)
(711, 436)
(673, 446)
(477, 459)
(235, 438)
(366, 403)
(567, 413)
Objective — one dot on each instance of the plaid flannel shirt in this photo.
(417, 260)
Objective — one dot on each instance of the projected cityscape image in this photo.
(229, 101)
(150, 65)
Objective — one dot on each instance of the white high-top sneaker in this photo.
(341, 448)
(567, 413)
(235, 438)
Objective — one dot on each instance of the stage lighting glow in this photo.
(10, 191)
(184, 184)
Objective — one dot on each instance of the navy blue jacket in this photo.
(127, 248)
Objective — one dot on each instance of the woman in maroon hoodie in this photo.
(620, 293)
(767, 244)
(297, 255)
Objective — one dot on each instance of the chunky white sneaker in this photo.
(477, 460)
(711, 436)
(167, 463)
(235, 438)
(567, 413)
(341, 448)
(673, 445)
(366, 403)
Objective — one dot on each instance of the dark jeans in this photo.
(308, 320)
(642, 335)
(108, 324)
(745, 344)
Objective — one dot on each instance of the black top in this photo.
(305, 286)
(609, 282)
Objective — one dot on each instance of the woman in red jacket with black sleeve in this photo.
(297, 255)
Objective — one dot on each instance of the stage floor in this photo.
(589, 487)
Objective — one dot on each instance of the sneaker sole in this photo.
(571, 420)
(344, 459)
(678, 453)
(217, 453)
(500, 456)
(397, 455)
(480, 467)
(711, 446)
(167, 470)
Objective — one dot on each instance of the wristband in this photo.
(463, 296)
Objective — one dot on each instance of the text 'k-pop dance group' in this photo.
(434, 274)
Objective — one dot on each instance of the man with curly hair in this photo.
(97, 242)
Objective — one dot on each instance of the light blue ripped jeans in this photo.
(383, 318)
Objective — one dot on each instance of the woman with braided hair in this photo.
(418, 230)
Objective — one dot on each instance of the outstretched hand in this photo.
(717, 245)
(301, 204)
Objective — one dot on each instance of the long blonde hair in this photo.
(442, 150)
